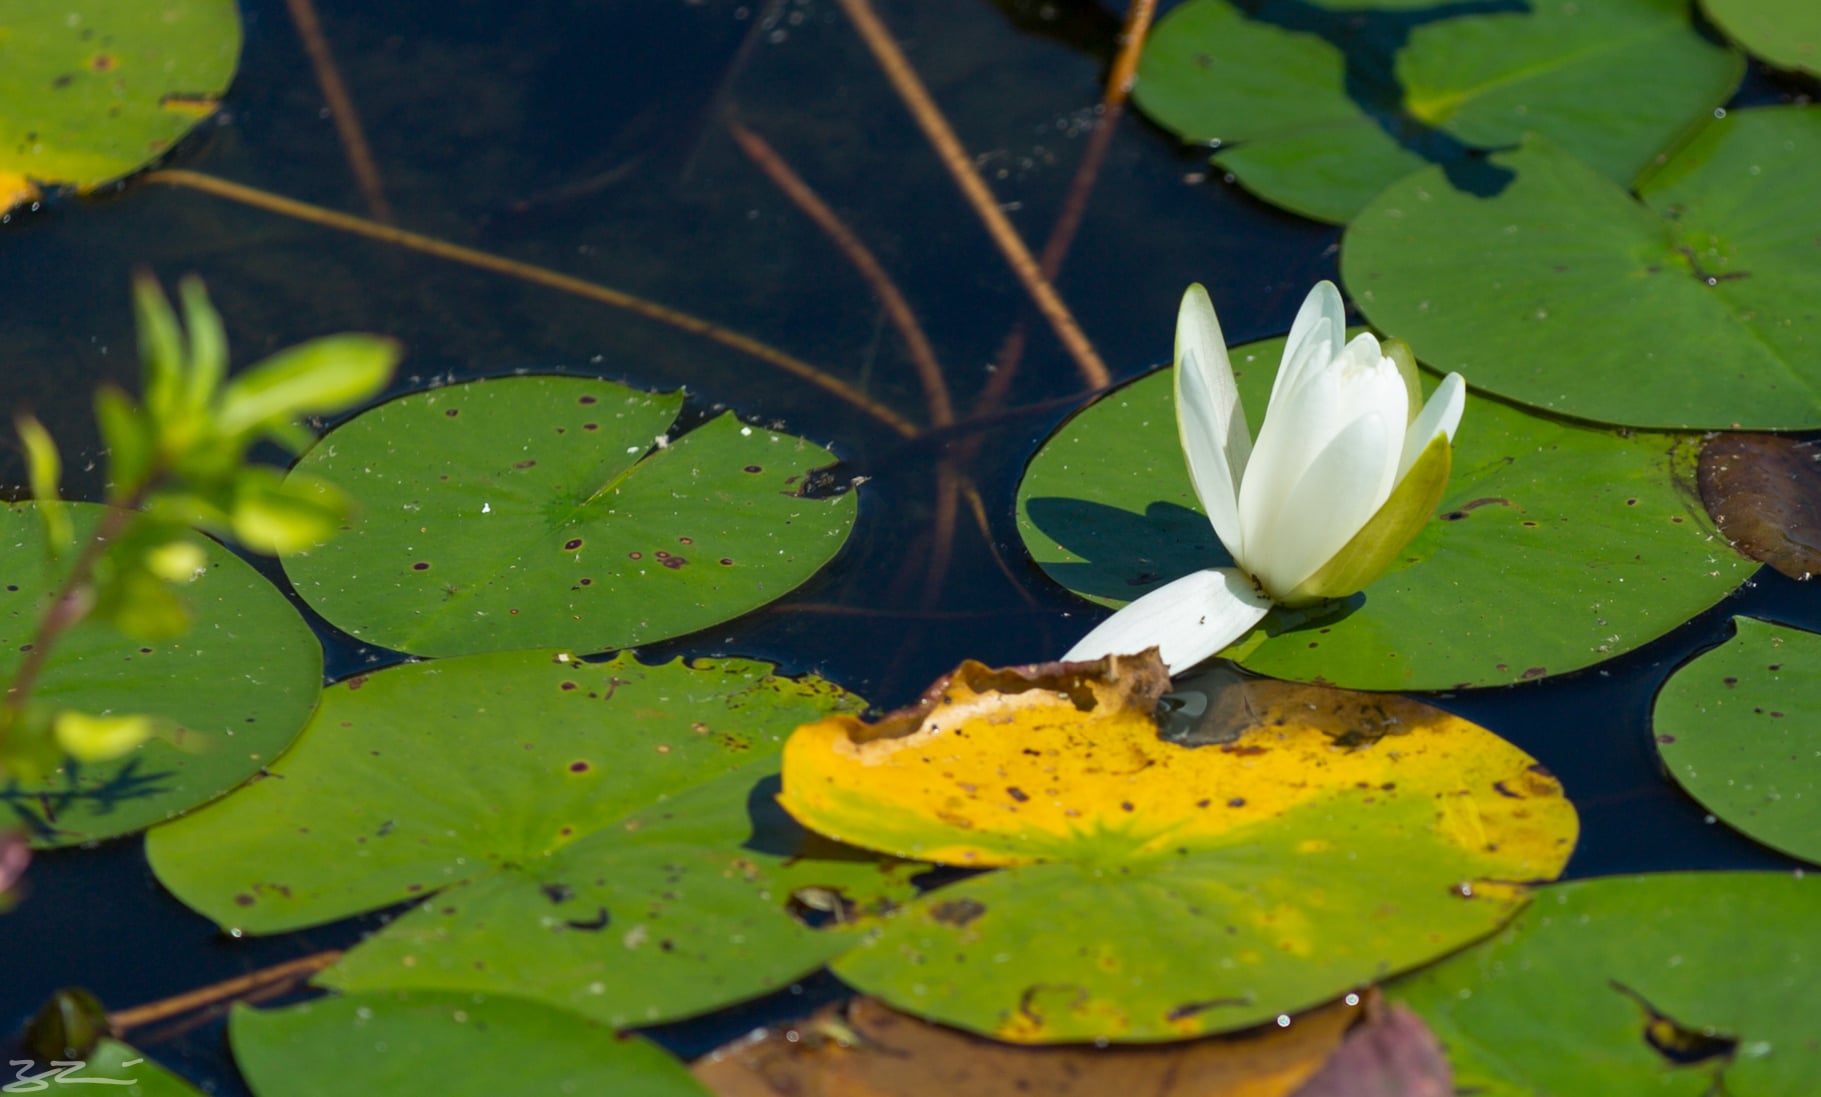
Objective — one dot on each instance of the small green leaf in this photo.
(207, 361)
(162, 355)
(45, 469)
(140, 604)
(274, 514)
(323, 376)
(128, 434)
(91, 738)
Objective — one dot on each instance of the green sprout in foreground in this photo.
(177, 464)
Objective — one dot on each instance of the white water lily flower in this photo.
(1349, 465)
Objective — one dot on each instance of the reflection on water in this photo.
(590, 139)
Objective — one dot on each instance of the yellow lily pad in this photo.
(1315, 841)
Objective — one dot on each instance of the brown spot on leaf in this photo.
(957, 912)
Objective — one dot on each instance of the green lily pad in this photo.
(1786, 33)
(444, 1045)
(126, 1071)
(1274, 102)
(1313, 841)
(557, 512)
(569, 820)
(98, 88)
(240, 684)
(1318, 110)
(1557, 545)
(1693, 307)
(1739, 727)
(1683, 984)
(674, 911)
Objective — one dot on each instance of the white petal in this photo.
(1297, 429)
(1209, 420)
(1187, 620)
(1338, 493)
(1316, 337)
(1440, 415)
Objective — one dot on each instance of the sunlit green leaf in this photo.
(1787, 33)
(90, 738)
(322, 376)
(1683, 984)
(594, 835)
(139, 603)
(1318, 106)
(274, 513)
(534, 511)
(444, 1045)
(127, 431)
(1739, 727)
(163, 356)
(1556, 545)
(44, 466)
(96, 88)
(1693, 307)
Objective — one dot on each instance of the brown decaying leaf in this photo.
(863, 1048)
(1390, 1053)
(1764, 492)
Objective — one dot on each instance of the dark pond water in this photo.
(588, 137)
